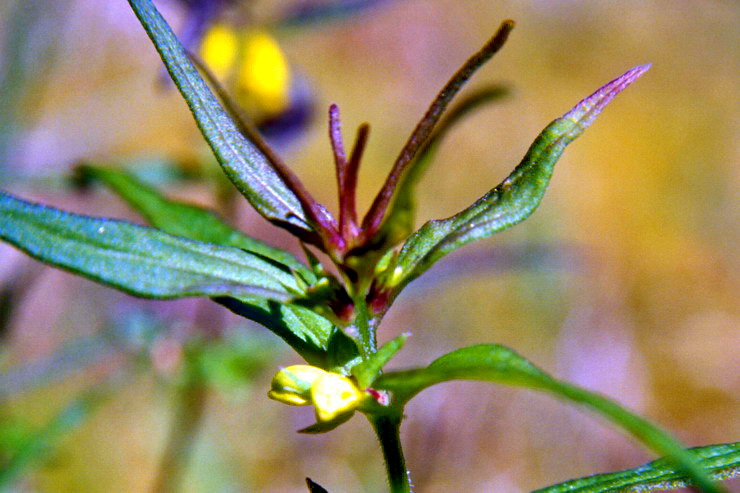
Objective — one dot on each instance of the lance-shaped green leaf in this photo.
(306, 332)
(494, 363)
(187, 220)
(139, 260)
(245, 164)
(514, 199)
(720, 462)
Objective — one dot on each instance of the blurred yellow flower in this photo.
(219, 49)
(252, 63)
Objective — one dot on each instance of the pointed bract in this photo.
(372, 221)
(515, 198)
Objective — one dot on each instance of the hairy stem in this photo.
(388, 428)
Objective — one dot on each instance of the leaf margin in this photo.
(500, 364)
(512, 200)
(47, 247)
(242, 161)
(655, 475)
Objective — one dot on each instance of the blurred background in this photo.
(624, 281)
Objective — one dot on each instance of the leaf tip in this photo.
(508, 24)
(584, 113)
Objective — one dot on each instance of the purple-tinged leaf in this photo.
(514, 199)
(246, 165)
(586, 111)
(347, 203)
(372, 221)
(316, 213)
(337, 144)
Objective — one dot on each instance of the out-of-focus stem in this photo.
(188, 416)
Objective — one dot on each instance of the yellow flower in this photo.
(219, 50)
(252, 63)
(333, 395)
(292, 385)
(264, 72)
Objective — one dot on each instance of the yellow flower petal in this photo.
(292, 385)
(264, 73)
(219, 50)
(334, 395)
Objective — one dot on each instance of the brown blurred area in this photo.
(624, 281)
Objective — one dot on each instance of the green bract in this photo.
(330, 316)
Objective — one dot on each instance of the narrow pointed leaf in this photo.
(187, 220)
(307, 332)
(375, 215)
(494, 363)
(514, 199)
(139, 260)
(245, 165)
(720, 462)
(399, 222)
(368, 370)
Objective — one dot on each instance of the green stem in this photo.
(387, 427)
(191, 407)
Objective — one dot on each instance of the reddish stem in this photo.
(340, 157)
(347, 197)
